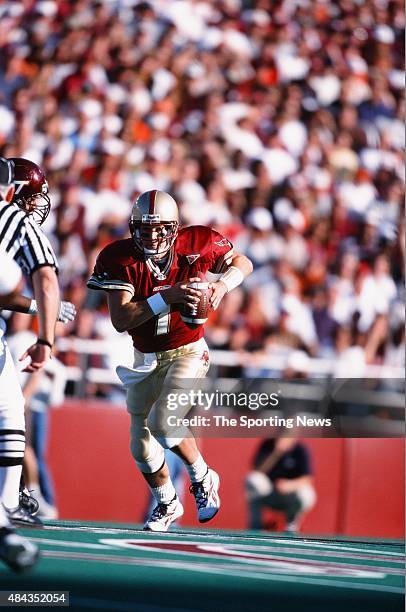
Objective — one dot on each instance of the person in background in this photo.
(282, 480)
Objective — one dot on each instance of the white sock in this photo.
(164, 494)
(198, 469)
(10, 485)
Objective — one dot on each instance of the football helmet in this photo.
(31, 189)
(154, 223)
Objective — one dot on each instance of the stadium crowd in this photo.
(280, 123)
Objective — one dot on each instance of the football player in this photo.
(146, 278)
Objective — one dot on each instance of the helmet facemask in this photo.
(37, 206)
(154, 240)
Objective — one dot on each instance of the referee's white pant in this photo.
(12, 427)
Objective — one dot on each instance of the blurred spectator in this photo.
(281, 480)
(283, 128)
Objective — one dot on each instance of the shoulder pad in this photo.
(120, 252)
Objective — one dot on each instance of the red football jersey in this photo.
(197, 250)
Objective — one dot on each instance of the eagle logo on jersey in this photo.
(192, 258)
(224, 242)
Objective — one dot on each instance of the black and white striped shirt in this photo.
(22, 239)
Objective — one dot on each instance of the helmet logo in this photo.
(151, 219)
(19, 185)
(44, 187)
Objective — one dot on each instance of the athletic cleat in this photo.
(47, 511)
(206, 496)
(17, 552)
(28, 502)
(20, 517)
(292, 527)
(163, 515)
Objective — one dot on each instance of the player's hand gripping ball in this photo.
(198, 314)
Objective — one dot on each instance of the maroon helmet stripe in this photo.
(152, 195)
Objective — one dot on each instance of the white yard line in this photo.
(222, 570)
(291, 541)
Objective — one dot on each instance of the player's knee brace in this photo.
(168, 436)
(146, 450)
(12, 440)
(167, 442)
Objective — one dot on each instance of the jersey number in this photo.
(163, 322)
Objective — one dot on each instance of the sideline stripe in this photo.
(222, 569)
(70, 544)
(316, 544)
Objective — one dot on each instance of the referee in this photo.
(16, 551)
(22, 240)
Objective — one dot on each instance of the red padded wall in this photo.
(95, 477)
(375, 487)
(359, 483)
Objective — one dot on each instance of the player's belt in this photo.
(181, 350)
(132, 376)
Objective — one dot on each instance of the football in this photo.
(198, 314)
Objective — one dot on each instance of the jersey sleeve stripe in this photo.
(109, 285)
(229, 256)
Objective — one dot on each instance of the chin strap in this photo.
(160, 272)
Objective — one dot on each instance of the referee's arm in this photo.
(39, 258)
(46, 291)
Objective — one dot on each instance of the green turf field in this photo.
(115, 567)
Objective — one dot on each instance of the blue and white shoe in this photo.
(206, 496)
(163, 515)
